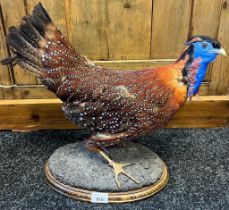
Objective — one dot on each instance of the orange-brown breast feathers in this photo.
(172, 77)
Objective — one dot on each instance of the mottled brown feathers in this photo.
(114, 105)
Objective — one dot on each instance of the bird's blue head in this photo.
(202, 51)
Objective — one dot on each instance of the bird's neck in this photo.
(193, 71)
(196, 78)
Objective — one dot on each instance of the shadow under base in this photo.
(77, 173)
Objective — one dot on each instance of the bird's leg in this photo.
(106, 151)
(118, 167)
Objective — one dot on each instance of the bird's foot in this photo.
(118, 169)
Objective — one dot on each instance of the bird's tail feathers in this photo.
(26, 41)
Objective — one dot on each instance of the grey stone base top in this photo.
(73, 165)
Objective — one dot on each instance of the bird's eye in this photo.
(204, 45)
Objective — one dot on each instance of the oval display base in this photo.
(82, 175)
(117, 197)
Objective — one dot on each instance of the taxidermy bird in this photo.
(115, 105)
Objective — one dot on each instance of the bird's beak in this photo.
(221, 51)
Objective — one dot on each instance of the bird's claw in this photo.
(118, 169)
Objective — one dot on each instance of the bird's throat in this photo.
(196, 74)
(193, 71)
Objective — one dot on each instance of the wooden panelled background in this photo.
(122, 33)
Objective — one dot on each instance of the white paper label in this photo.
(97, 197)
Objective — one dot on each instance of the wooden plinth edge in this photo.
(117, 197)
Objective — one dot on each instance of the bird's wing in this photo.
(102, 110)
(133, 102)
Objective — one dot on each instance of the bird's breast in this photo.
(172, 77)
